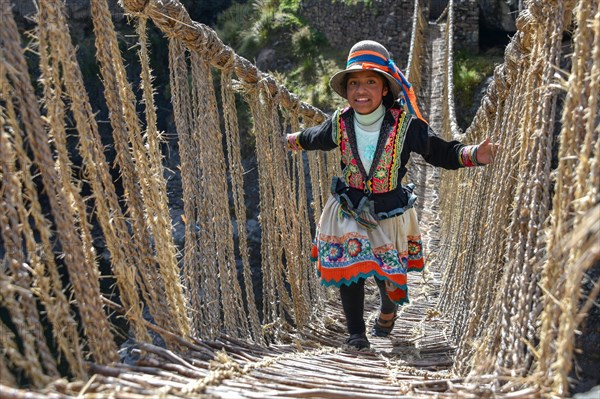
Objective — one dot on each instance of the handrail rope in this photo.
(173, 19)
(451, 110)
(414, 53)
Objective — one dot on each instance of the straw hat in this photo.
(367, 55)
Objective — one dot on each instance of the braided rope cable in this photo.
(289, 225)
(265, 147)
(153, 139)
(313, 289)
(204, 195)
(152, 283)
(172, 18)
(203, 320)
(484, 292)
(509, 254)
(274, 300)
(324, 176)
(8, 343)
(519, 314)
(318, 195)
(527, 221)
(50, 15)
(6, 376)
(500, 216)
(415, 51)
(450, 123)
(82, 270)
(307, 278)
(288, 222)
(202, 134)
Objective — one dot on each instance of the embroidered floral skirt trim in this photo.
(346, 251)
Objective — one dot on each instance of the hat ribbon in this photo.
(374, 60)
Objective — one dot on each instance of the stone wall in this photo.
(466, 29)
(386, 21)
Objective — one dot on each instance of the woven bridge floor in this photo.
(413, 362)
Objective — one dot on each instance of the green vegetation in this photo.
(301, 57)
(470, 70)
(367, 3)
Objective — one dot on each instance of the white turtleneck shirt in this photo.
(367, 129)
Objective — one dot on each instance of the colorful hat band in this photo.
(374, 60)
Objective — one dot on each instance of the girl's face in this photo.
(365, 90)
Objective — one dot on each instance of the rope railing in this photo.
(510, 270)
(516, 237)
(449, 115)
(415, 51)
(172, 18)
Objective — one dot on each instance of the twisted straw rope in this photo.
(152, 186)
(6, 376)
(513, 310)
(82, 270)
(190, 174)
(236, 171)
(19, 301)
(415, 51)
(214, 186)
(58, 53)
(45, 270)
(289, 225)
(577, 195)
(275, 296)
(10, 349)
(508, 306)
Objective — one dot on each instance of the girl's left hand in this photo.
(486, 151)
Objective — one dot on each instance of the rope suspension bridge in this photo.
(495, 314)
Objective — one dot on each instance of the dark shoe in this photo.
(358, 341)
(383, 328)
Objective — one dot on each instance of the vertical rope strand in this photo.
(44, 265)
(57, 53)
(236, 170)
(202, 322)
(152, 187)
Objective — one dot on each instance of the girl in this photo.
(368, 226)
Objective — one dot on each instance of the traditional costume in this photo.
(368, 226)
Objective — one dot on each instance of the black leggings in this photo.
(353, 302)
